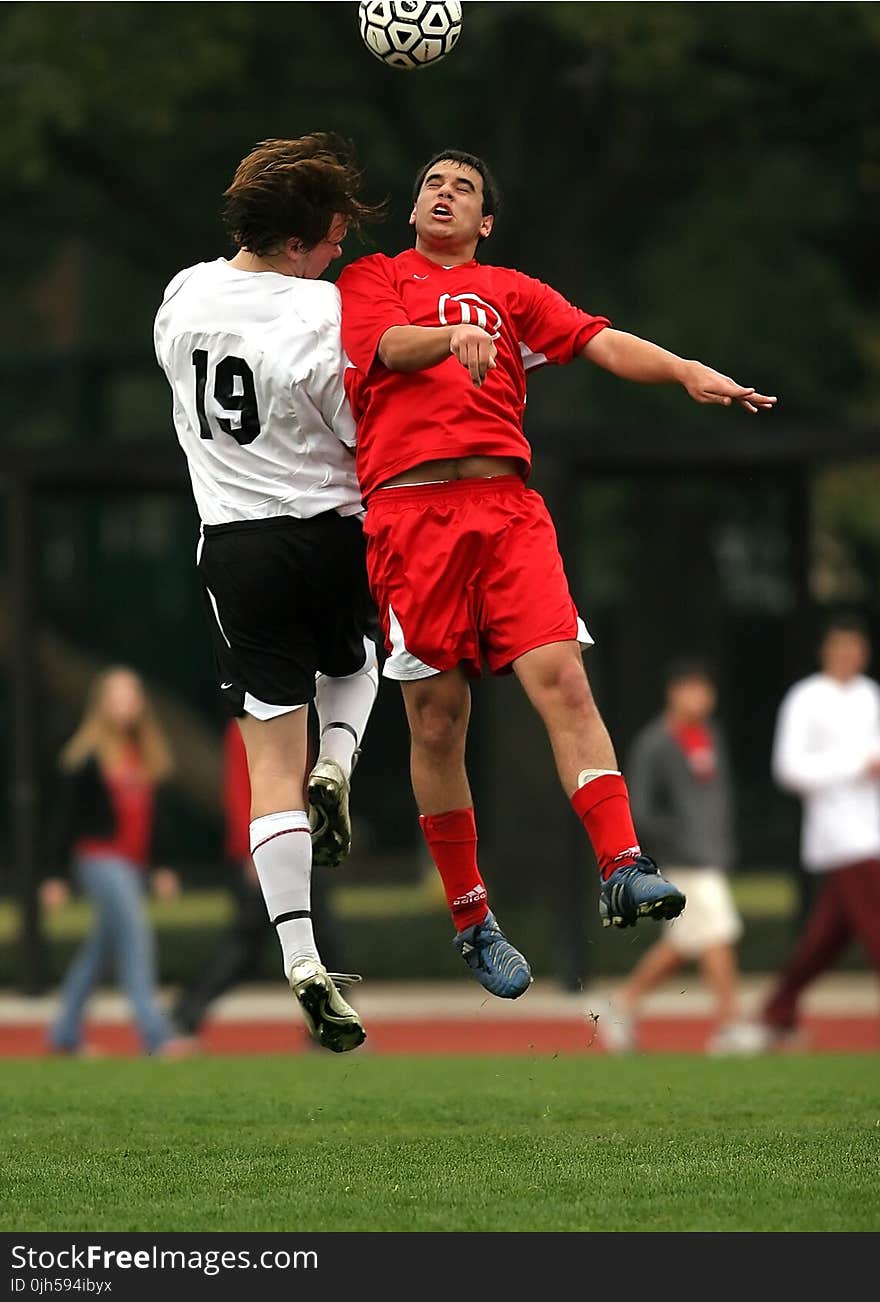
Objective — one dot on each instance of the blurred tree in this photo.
(707, 174)
(846, 561)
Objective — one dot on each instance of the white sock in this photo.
(344, 706)
(281, 845)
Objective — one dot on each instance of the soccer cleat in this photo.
(332, 1022)
(497, 966)
(636, 890)
(328, 814)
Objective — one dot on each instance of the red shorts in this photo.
(465, 572)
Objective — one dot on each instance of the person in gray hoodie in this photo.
(682, 796)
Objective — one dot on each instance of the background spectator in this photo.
(682, 800)
(827, 751)
(112, 769)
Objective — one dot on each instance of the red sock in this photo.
(603, 808)
(452, 840)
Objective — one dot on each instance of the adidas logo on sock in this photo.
(632, 853)
(476, 896)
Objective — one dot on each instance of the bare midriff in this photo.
(432, 472)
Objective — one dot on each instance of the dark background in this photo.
(707, 175)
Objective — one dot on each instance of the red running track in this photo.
(543, 1036)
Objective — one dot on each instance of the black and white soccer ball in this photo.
(410, 33)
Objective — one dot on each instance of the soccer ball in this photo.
(410, 33)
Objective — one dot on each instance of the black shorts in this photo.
(286, 599)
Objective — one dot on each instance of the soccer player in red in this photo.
(462, 555)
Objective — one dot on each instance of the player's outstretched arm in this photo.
(637, 359)
(416, 348)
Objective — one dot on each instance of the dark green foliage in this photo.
(704, 173)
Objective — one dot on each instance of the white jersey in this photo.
(827, 733)
(255, 364)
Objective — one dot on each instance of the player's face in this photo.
(317, 260)
(449, 208)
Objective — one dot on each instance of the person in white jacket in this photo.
(827, 752)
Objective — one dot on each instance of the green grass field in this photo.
(320, 1143)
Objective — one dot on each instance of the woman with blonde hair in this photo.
(112, 768)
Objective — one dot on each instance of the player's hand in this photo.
(165, 883)
(707, 386)
(54, 893)
(872, 769)
(475, 349)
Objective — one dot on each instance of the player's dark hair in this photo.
(687, 668)
(491, 194)
(292, 189)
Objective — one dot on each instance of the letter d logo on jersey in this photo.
(469, 309)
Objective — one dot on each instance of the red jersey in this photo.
(405, 418)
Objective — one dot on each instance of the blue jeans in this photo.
(121, 934)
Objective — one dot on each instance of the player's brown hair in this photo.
(292, 189)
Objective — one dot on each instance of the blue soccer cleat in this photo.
(497, 966)
(638, 891)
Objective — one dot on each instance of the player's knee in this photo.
(565, 687)
(438, 726)
(276, 764)
(439, 734)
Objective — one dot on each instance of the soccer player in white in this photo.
(251, 348)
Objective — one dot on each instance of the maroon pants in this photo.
(848, 906)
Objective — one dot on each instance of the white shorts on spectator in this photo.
(711, 916)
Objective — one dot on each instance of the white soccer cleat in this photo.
(332, 1022)
(328, 814)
